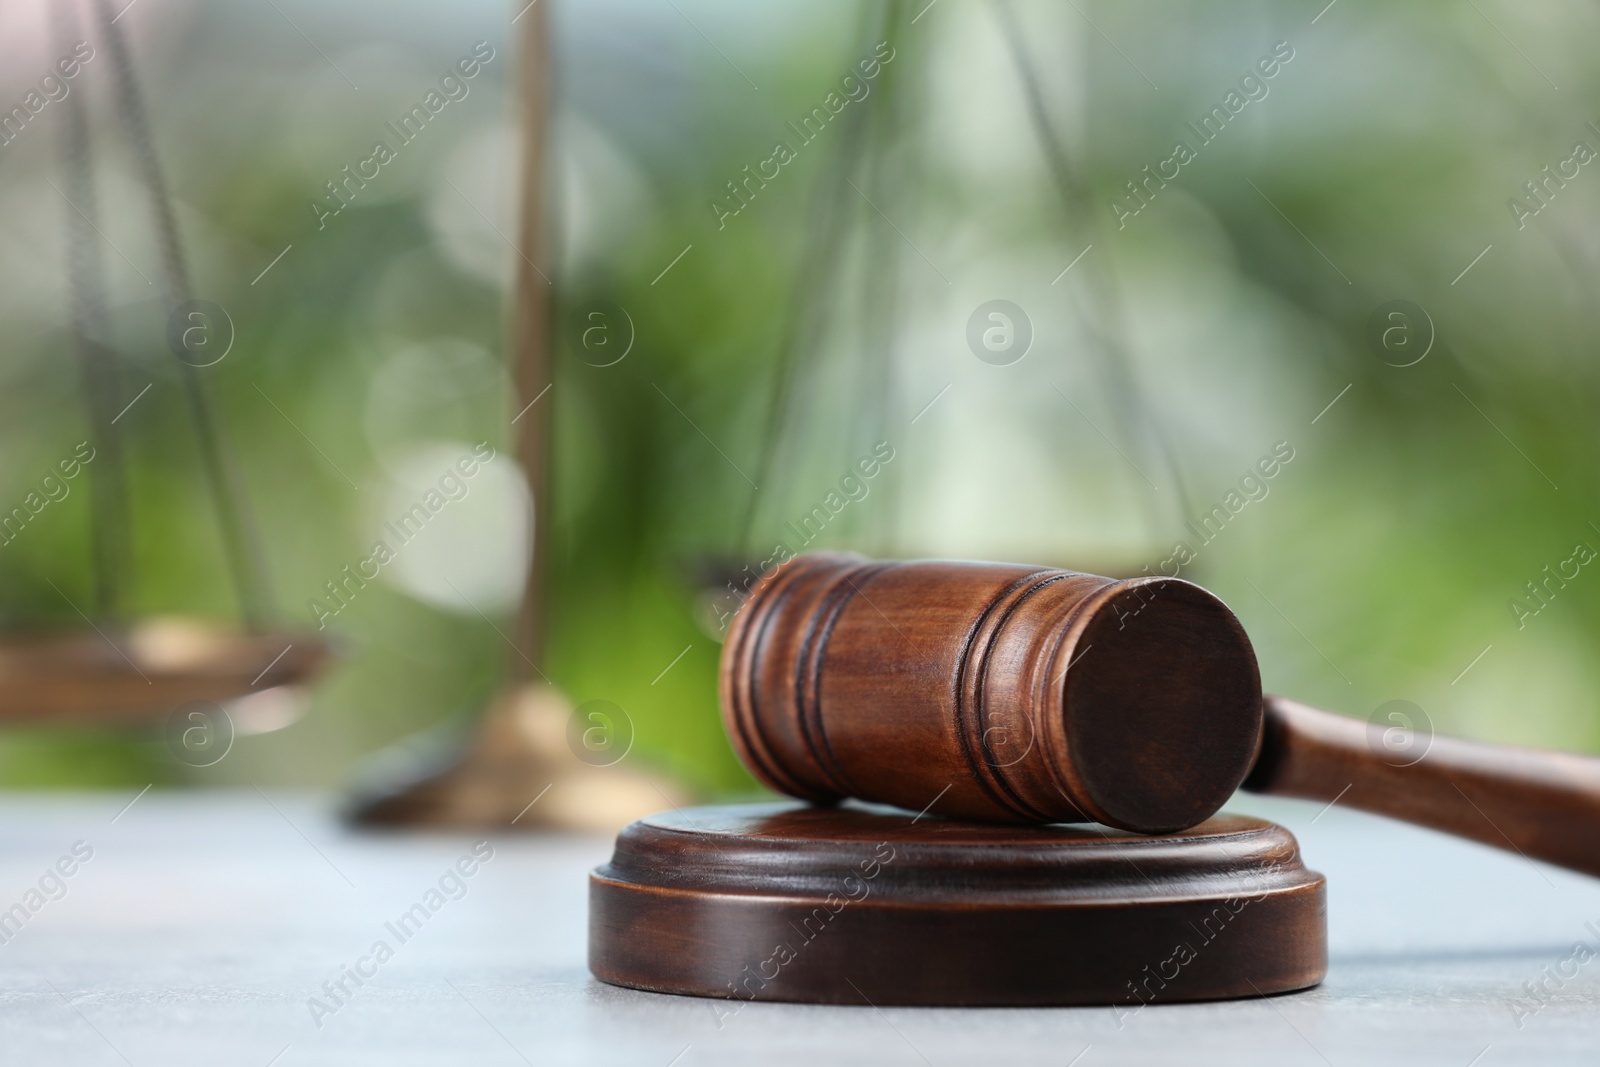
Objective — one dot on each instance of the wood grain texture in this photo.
(1544, 805)
(788, 902)
(1031, 694)
(993, 691)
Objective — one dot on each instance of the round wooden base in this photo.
(865, 905)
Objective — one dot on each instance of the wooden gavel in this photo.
(1030, 694)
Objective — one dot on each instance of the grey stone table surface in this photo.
(200, 927)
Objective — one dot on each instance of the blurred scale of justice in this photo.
(118, 669)
(533, 760)
(531, 743)
(208, 683)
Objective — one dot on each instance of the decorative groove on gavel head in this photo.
(1010, 693)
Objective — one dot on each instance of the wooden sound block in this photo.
(859, 904)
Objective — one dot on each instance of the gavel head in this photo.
(993, 691)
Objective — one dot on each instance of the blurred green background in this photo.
(1184, 343)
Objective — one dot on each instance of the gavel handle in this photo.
(1544, 805)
